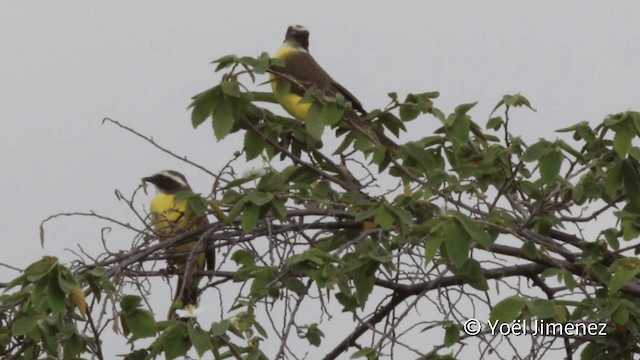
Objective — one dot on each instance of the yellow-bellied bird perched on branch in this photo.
(170, 218)
(303, 72)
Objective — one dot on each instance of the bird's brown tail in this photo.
(186, 294)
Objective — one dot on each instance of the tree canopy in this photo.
(380, 247)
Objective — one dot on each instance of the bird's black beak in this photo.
(149, 179)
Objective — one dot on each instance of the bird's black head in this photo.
(168, 181)
(299, 34)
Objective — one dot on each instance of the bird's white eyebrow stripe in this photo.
(175, 178)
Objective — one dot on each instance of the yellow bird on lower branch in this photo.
(171, 217)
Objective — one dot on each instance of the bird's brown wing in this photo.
(309, 74)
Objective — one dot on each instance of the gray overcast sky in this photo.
(65, 65)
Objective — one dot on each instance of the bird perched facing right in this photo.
(170, 218)
(303, 73)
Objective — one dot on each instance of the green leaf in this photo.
(129, 303)
(385, 217)
(283, 87)
(66, 280)
(367, 352)
(176, 341)
(529, 250)
(262, 277)
(253, 145)
(22, 326)
(314, 335)
(542, 308)
(220, 328)
(260, 197)
(348, 301)
(198, 205)
(551, 272)
(364, 281)
(332, 113)
(141, 323)
(464, 108)
(183, 195)
(201, 111)
(262, 64)
(317, 256)
(601, 273)
(451, 334)
(235, 211)
(223, 120)
(408, 112)
(421, 155)
(199, 338)
(613, 180)
(472, 272)
(259, 329)
(634, 151)
(590, 349)
(404, 215)
(507, 310)
(294, 284)
(55, 295)
(230, 88)
(574, 127)
(622, 141)
(432, 244)
(40, 269)
(550, 165)
(474, 230)
(250, 216)
(495, 123)
(460, 126)
(314, 122)
(456, 241)
(225, 61)
(569, 281)
(517, 100)
(243, 257)
(631, 181)
(279, 209)
(621, 315)
(612, 238)
(535, 151)
(622, 276)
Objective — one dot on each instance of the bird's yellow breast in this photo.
(290, 101)
(168, 215)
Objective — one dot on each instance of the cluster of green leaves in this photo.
(452, 234)
(252, 205)
(40, 317)
(175, 338)
(45, 315)
(225, 102)
(620, 314)
(521, 308)
(230, 107)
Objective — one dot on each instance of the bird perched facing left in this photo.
(303, 73)
(170, 217)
